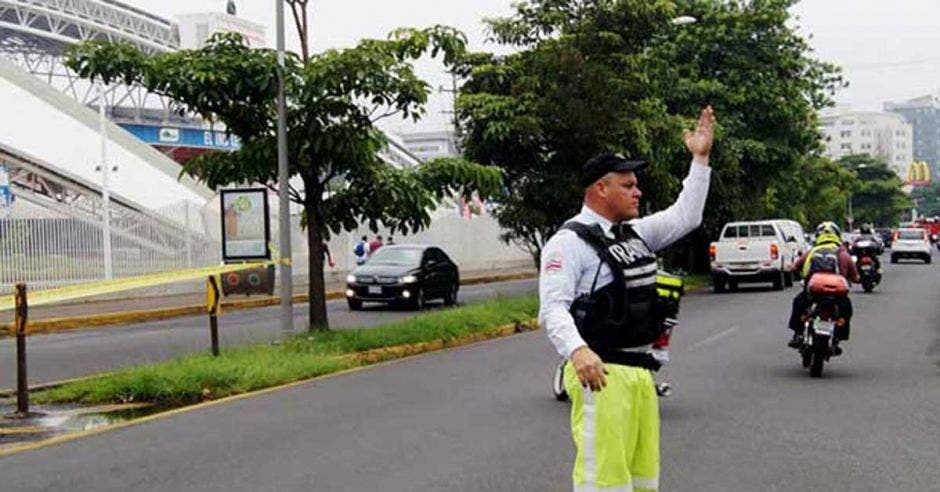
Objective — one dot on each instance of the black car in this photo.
(886, 234)
(404, 274)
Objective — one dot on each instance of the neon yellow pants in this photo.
(615, 431)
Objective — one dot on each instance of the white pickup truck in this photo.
(754, 251)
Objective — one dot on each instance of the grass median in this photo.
(191, 379)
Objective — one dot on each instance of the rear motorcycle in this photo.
(822, 320)
(865, 252)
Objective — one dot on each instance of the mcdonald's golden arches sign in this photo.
(918, 174)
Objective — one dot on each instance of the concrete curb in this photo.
(55, 325)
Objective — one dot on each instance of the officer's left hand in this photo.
(700, 142)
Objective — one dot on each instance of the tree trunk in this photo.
(317, 290)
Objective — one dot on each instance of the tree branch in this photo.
(300, 22)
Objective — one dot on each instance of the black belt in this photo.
(635, 359)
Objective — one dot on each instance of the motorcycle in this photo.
(670, 289)
(822, 321)
(865, 254)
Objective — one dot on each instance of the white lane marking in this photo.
(715, 337)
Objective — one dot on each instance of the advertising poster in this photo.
(246, 229)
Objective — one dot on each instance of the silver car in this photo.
(910, 243)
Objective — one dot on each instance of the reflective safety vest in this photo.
(625, 313)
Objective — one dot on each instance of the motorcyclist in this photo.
(827, 255)
(869, 244)
(867, 232)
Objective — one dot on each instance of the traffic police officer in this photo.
(597, 304)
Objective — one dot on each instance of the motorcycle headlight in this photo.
(351, 279)
(408, 279)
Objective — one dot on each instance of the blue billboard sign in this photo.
(183, 137)
(6, 195)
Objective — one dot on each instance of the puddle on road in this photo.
(46, 421)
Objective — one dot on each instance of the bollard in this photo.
(213, 306)
(22, 388)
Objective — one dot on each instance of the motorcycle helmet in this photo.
(828, 233)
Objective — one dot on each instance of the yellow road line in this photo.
(177, 411)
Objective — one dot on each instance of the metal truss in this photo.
(73, 21)
(35, 35)
(71, 196)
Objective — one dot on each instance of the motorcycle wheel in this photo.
(868, 287)
(558, 382)
(807, 354)
(819, 354)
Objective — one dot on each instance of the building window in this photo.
(866, 133)
(846, 146)
(848, 122)
(845, 133)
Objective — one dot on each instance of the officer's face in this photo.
(622, 194)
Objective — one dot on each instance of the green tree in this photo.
(593, 75)
(876, 197)
(926, 199)
(334, 100)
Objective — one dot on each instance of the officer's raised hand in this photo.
(590, 368)
(700, 141)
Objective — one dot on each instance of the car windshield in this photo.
(911, 235)
(396, 256)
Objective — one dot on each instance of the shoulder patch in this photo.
(553, 264)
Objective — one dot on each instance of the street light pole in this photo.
(105, 192)
(287, 290)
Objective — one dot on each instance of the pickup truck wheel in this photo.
(778, 281)
(718, 284)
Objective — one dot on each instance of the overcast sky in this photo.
(888, 49)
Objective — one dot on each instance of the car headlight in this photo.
(408, 279)
(351, 279)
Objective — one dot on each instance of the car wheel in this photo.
(778, 281)
(354, 304)
(418, 301)
(450, 298)
(733, 285)
(718, 284)
(894, 258)
(927, 259)
(788, 279)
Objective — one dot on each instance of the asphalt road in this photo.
(745, 416)
(67, 355)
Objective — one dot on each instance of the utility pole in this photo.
(283, 184)
(105, 192)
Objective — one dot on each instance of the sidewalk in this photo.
(92, 312)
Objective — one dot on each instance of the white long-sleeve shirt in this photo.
(568, 264)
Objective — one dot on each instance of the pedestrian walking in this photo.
(327, 257)
(375, 244)
(597, 293)
(361, 250)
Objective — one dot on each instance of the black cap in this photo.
(607, 162)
